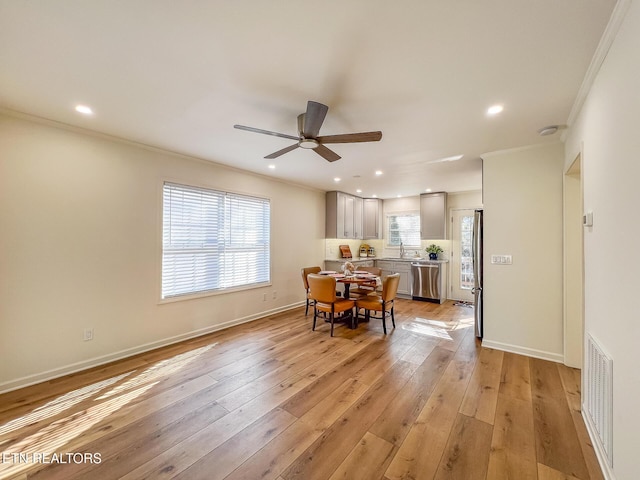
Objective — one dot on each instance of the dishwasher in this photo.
(427, 282)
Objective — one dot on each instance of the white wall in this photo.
(80, 219)
(522, 191)
(606, 132)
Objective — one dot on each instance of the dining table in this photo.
(357, 278)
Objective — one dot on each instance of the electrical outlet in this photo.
(88, 334)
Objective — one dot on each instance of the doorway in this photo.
(573, 266)
(462, 255)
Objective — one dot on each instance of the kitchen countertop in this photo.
(387, 259)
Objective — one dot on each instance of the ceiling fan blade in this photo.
(351, 137)
(327, 154)
(300, 123)
(313, 119)
(282, 152)
(266, 132)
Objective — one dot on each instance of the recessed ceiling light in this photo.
(378, 172)
(84, 110)
(495, 109)
(272, 167)
(374, 196)
(428, 190)
(337, 179)
(358, 191)
(399, 196)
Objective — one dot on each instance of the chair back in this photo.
(390, 287)
(377, 271)
(322, 288)
(305, 272)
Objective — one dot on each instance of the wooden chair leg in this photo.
(393, 320)
(306, 310)
(315, 315)
(332, 315)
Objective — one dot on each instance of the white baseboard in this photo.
(607, 471)
(129, 352)
(528, 352)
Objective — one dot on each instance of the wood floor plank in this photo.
(548, 473)
(482, 393)
(557, 444)
(467, 452)
(367, 460)
(515, 380)
(513, 449)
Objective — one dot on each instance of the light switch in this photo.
(501, 259)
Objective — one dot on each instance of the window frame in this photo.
(215, 291)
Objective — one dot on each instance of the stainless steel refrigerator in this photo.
(477, 272)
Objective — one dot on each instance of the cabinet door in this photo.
(357, 217)
(433, 218)
(371, 218)
(404, 287)
(347, 204)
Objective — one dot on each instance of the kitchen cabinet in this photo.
(343, 216)
(403, 268)
(372, 219)
(433, 216)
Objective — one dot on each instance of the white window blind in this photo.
(404, 228)
(213, 240)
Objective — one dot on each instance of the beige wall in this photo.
(523, 218)
(80, 220)
(605, 134)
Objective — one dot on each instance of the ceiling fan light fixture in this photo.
(309, 143)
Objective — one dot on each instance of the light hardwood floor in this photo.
(272, 399)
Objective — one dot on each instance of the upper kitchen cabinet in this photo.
(372, 219)
(433, 216)
(344, 216)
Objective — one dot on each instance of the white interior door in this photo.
(461, 273)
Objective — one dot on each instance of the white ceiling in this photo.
(179, 75)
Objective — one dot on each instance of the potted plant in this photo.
(433, 250)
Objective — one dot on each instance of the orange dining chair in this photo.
(306, 271)
(367, 288)
(383, 303)
(322, 290)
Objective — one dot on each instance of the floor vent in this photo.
(599, 395)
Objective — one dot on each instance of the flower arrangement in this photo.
(348, 268)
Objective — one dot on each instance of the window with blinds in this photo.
(213, 240)
(405, 229)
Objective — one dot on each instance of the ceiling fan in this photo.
(309, 124)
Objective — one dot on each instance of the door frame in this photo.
(573, 264)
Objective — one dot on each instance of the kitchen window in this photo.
(403, 228)
(213, 240)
